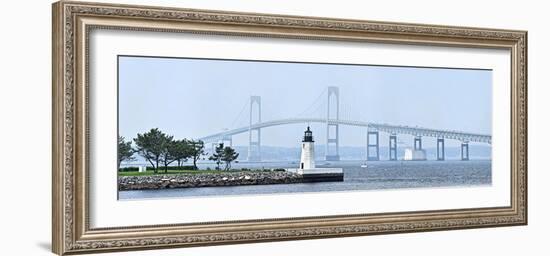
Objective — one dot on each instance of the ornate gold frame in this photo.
(72, 22)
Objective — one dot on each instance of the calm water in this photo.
(378, 175)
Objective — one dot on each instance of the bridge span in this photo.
(373, 131)
(332, 120)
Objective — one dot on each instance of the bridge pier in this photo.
(374, 145)
(213, 147)
(332, 144)
(418, 143)
(254, 135)
(464, 151)
(393, 147)
(440, 149)
(227, 140)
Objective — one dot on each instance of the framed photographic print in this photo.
(244, 127)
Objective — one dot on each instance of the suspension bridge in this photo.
(333, 121)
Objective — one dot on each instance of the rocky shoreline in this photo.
(207, 180)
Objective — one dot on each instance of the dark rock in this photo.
(207, 180)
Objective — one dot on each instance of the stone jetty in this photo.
(208, 180)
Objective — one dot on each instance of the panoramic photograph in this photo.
(191, 127)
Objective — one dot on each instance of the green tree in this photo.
(229, 155)
(181, 151)
(168, 153)
(217, 155)
(125, 150)
(196, 151)
(151, 145)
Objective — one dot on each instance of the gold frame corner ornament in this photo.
(72, 22)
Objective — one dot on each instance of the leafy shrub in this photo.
(129, 169)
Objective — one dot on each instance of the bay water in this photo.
(377, 175)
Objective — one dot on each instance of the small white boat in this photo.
(364, 165)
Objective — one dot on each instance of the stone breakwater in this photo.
(207, 180)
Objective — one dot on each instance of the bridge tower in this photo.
(393, 147)
(374, 145)
(464, 151)
(418, 142)
(254, 134)
(333, 113)
(440, 149)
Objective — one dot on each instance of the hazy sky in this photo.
(191, 98)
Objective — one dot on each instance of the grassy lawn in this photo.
(161, 172)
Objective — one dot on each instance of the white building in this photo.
(414, 155)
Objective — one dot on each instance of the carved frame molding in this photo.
(72, 22)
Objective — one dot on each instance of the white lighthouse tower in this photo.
(307, 168)
(307, 160)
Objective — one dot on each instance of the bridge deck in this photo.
(396, 129)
